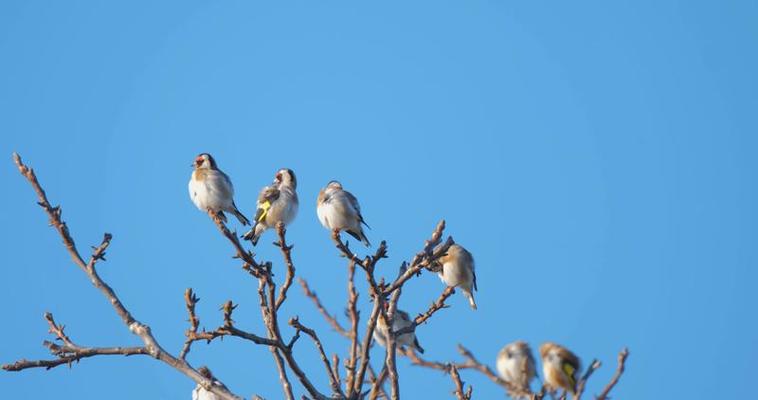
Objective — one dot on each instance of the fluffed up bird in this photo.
(211, 190)
(199, 393)
(276, 203)
(401, 320)
(338, 209)
(515, 363)
(458, 271)
(560, 367)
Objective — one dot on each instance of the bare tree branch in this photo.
(357, 363)
(295, 323)
(594, 365)
(332, 320)
(616, 376)
(69, 352)
(138, 328)
(287, 254)
(459, 392)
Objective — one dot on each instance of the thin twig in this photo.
(332, 320)
(594, 365)
(352, 310)
(333, 381)
(287, 254)
(138, 328)
(459, 392)
(616, 376)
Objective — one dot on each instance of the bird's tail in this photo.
(360, 236)
(417, 345)
(240, 216)
(253, 234)
(471, 301)
(222, 216)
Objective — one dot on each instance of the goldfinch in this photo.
(401, 320)
(458, 271)
(515, 364)
(338, 209)
(276, 203)
(210, 189)
(199, 393)
(560, 367)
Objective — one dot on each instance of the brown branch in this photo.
(332, 320)
(250, 265)
(594, 365)
(437, 305)
(268, 306)
(69, 352)
(227, 329)
(423, 259)
(190, 299)
(459, 393)
(377, 385)
(352, 310)
(391, 340)
(366, 346)
(470, 363)
(353, 298)
(336, 369)
(136, 327)
(616, 376)
(287, 254)
(73, 355)
(473, 363)
(333, 380)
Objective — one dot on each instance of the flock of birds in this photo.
(338, 210)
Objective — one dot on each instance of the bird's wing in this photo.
(470, 259)
(354, 203)
(569, 370)
(220, 182)
(268, 195)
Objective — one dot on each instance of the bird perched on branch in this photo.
(211, 190)
(515, 363)
(457, 270)
(276, 203)
(560, 367)
(199, 393)
(338, 209)
(400, 321)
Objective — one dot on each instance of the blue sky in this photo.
(598, 159)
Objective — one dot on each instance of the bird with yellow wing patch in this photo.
(276, 203)
(560, 366)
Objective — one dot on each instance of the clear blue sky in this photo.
(598, 158)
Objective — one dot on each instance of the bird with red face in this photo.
(212, 190)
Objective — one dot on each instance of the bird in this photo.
(212, 190)
(515, 364)
(400, 321)
(276, 203)
(560, 367)
(338, 209)
(200, 393)
(457, 270)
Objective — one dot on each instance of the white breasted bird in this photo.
(458, 271)
(401, 320)
(560, 367)
(211, 190)
(276, 203)
(199, 393)
(338, 209)
(515, 364)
